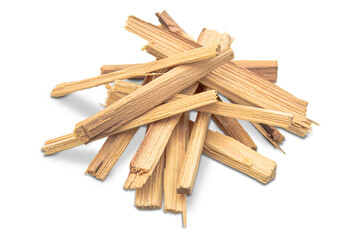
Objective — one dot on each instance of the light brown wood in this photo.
(175, 152)
(151, 148)
(238, 156)
(265, 68)
(238, 111)
(149, 96)
(110, 153)
(150, 196)
(189, 168)
(169, 23)
(266, 134)
(230, 80)
(137, 70)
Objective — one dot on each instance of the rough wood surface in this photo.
(268, 136)
(238, 156)
(150, 196)
(175, 152)
(265, 68)
(238, 111)
(149, 96)
(189, 168)
(137, 70)
(110, 153)
(151, 148)
(234, 82)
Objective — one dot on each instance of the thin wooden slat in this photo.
(267, 69)
(150, 196)
(238, 156)
(271, 117)
(151, 95)
(189, 168)
(232, 81)
(109, 154)
(137, 70)
(151, 148)
(175, 152)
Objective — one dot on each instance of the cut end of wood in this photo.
(184, 190)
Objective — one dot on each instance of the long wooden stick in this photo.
(189, 168)
(238, 111)
(151, 148)
(230, 80)
(175, 153)
(265, 68)
(141, 69)
(238, 156)
(229, 126)
(149, 96)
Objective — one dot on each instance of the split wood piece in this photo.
(269, 132)
(109, 154)
(62, 143)
(247, 113)
(152, 147)
(169, 23)
(238, 156)
(267, 69)
(171, 108)
(150, 196)
(230, 126)
(175, 152)
(300, 129)
(137, 70)
(183, 104)
(264, 68)
(113, 68)
(262, 130)
(231, 80)
(149, 96)
(189, 168)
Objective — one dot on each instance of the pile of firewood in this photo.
(185, 76)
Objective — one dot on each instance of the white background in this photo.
(316, 191)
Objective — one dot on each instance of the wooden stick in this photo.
(229, 126)
(175, 153)
(275, 118)
(137, 70)
(265, 68)
(169, 23)
(149, 96)
(230, 80)
(109, 154)
(262, 130)
(150, 196)
(190, 165)
(238, 156)
(151, 148)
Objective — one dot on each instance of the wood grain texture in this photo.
(110, 153)
(234, 82)
(267, 69)
(137, 70)
(238, 156)
(175, 152)
(238, 111)
(149, 96)
(150, 196)
(152, 147)
(189, 168)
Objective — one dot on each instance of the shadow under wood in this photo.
(80, 104)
